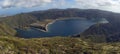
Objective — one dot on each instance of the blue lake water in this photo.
(64, 27)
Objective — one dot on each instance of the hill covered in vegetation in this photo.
(6, 30)
(55, 45)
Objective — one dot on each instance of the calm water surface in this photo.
(61, 28)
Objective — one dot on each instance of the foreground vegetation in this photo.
(55, 45)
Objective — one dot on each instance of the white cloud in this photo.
(59, 3)
(23, 3)
(112, 5)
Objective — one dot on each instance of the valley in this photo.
(64, 31)
(40, 19)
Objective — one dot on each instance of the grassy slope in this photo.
(54, 45)
(6, 30)
(20, 21)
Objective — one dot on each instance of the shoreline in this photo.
(46, 26)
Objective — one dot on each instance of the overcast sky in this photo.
(18, 6)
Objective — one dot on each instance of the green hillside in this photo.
(8, 24)
(6, 30)
(55, 45)
(19, 20)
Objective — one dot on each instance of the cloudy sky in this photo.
(18, 6)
